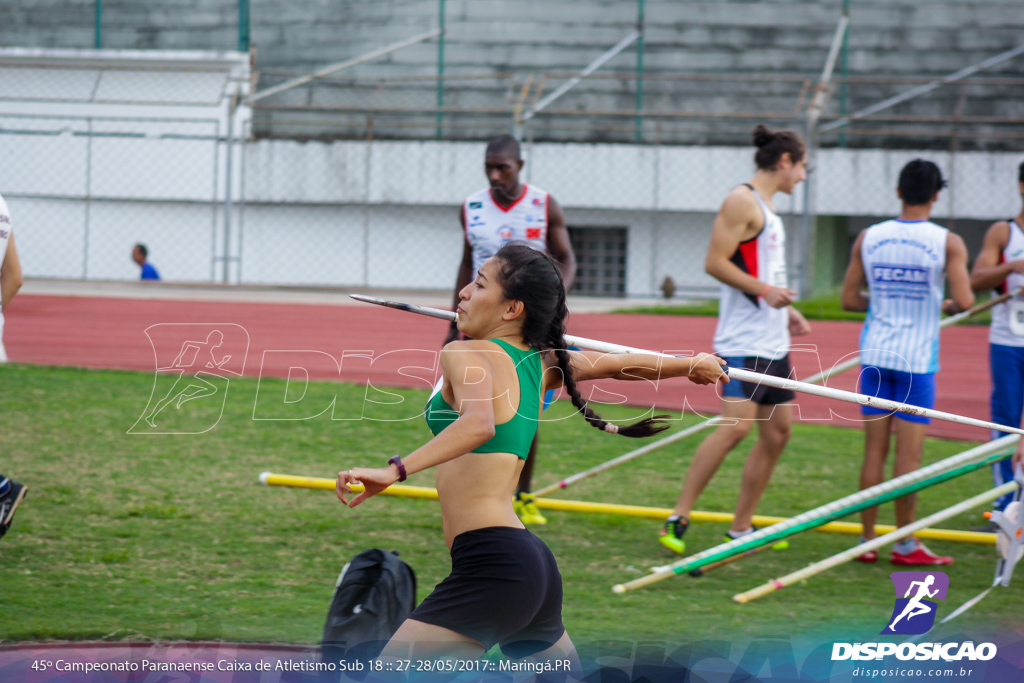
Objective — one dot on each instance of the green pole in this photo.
(243, 26)
(440, 69)
(844, 95)
(639, 70)
(97, 41)
(974, 458)
(831, 517)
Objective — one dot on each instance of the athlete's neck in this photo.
(506, 332)
(766, 185)
(504, 200)
(916, 212)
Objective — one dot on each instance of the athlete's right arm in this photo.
(988, 272)
(855, 280)
(703, 368)
(471, 376)
(10, 274)
(733, 225)
(462, 279)
(956, 273)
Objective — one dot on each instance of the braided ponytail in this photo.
(532, 277)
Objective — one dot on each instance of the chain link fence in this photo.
(372, 199)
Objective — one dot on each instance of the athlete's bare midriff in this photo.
(475, 490)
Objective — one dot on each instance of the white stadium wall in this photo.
(384, 214)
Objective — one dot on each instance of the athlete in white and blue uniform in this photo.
(904, 262)
(1000, 266)
(511, 211)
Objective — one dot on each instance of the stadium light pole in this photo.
(807, 230)
(243, 26)
(440, 69)
(97, 40)
(639, 71)
(844, 92)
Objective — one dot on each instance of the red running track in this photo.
(112, 333)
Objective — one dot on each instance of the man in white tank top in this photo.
(747, 255)
(10, 269)
(904, 262)
(511, 211)
(1000, 266)
(11, 492)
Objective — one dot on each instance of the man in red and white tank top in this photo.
(511, 211)
(11, 492)
(747, 255)
(1000, 266)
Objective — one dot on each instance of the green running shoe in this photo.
(526, 507)
(672, 534)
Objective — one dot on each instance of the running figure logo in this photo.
(204, 359)
(914, 612)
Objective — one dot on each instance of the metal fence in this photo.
(372, 199)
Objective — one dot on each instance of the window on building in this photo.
(600, 260)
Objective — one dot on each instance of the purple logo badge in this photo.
(915, 608)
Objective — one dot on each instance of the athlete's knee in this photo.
(776, 436)
(732, 434)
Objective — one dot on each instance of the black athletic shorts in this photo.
(761, 394)
(504, 588)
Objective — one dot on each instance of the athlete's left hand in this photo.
(707, 369)
(949, 307)
(373, 480)
(798, 325)
(1018, 456)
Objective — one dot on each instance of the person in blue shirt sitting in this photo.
(139, 254)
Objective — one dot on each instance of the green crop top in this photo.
(516, 435)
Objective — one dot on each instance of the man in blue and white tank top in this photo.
(747, 254)
(1000, 266)
(510, 211)
(904, 262)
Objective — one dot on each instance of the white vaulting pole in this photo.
(873, 544)
(736, 373)
(626, 457)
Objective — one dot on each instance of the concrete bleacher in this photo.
(775, 43)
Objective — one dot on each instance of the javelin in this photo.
(711, 422)
(735, 373)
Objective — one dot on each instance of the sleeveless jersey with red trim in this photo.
(6, 228)
(747, 325)
(1007, 327)
(490, 226)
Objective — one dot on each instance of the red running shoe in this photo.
(919, 556)
(870, 557)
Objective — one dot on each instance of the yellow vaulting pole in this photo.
(557, 504)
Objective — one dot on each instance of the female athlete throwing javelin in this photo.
(504, 586)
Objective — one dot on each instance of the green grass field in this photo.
(128, 536)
